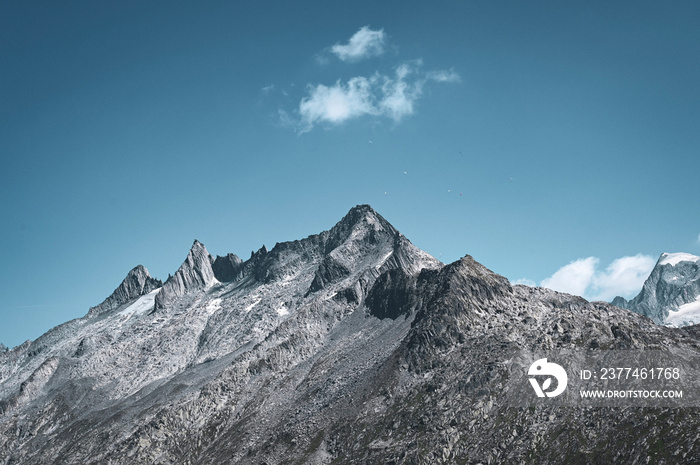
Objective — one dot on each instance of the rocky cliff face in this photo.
(227, 268)
(137, 283)
(195, 273)
(351, 346)
(670, 293)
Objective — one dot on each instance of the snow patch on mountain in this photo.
(255, 301)
(675, 258)
(136, 283)
(142, 304)
(687, 314)
(214, 305)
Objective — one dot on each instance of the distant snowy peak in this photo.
(196, 272)
(676, 258)
(138, 282)
(670, 293)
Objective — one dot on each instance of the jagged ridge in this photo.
(138, 282)
(350, 346)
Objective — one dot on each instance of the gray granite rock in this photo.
(392, 357)
(674, 282)
(137, 283)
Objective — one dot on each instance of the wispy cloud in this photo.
(624, 276)
(573, 278)
(365, 43)
(525, 281)
(443, 76)
(337, 103)
(379, 95)
(391, 95)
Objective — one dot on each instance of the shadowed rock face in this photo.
(350, 346)
(674, 281)
(391, 295)
(228, 268)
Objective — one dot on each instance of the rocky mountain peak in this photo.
(464, 284)
(137, 282)
(468, 267)
(196, 272)
(360, 223)
(672, 286)
(357, 213)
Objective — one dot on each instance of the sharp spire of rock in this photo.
(137, 282)
(196, 272)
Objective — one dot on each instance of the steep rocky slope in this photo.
(671, 293)
(138, 282)
(350, 346)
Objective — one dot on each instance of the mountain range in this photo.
(351, 346)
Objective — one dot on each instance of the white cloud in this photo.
(365, 43)
(443, 76)
(337, 103)
(398, 95)
(392, 96)
(573, 278)
(379, 95)
(525, 281)
(624, 276)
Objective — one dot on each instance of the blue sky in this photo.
(555, 143)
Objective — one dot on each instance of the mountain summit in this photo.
(196, 272)
(671, 293)
(349, 346)
(137, 283)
